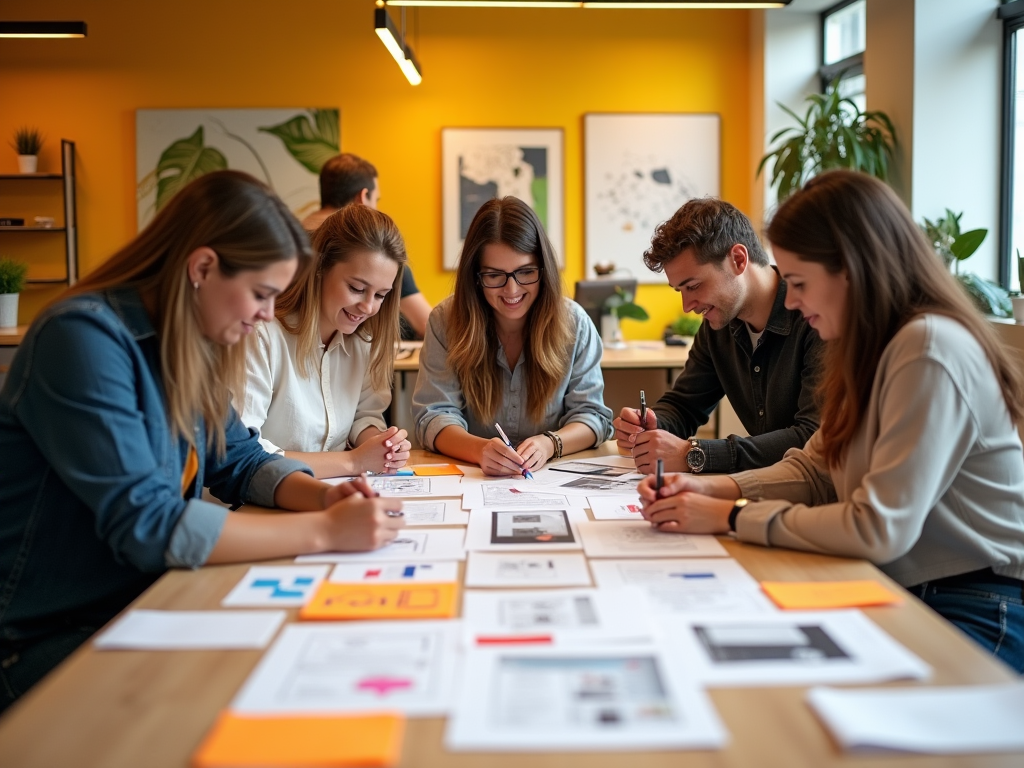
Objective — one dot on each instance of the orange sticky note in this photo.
(334, 602)
(435, 470)
(810, 595)
(301, 742)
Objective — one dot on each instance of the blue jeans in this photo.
(988, 607)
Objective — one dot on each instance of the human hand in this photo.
(358, 524)
(690, 512)
(651, 445)
(627, 427)
(335, 493)
(384, 452)
(499, 460)
(536, 451)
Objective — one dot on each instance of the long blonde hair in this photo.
(249, 228)
(472, 334)
(850, 221)
(354, 229)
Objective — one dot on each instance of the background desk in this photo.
(648, 365)
(10, 338)
(138, 708)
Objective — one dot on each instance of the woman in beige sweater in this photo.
(917, 465)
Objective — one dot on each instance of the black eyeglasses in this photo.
(497, 279)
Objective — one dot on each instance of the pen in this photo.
(643, 410)
(497, 426)
(659, 478)
(396, 473)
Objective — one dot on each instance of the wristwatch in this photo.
(736, 509)
(696, 459)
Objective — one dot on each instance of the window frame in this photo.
(1012, 15)
(851, 65)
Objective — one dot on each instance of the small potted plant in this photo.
(27, 143)
(617, 307)
(682, 329)
(12, 280)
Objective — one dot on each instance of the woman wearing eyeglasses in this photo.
(508, 348)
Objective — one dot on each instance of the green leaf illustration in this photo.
(312, 143)
(183, 161)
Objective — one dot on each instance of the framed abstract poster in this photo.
(639, 169)
(285, 148)
(478, 164)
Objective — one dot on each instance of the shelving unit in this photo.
(70, 229)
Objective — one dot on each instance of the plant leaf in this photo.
(632, 311)
(305, 142)
(182, 162)
(967, 243)
(988, 297)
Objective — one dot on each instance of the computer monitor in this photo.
(592, 295)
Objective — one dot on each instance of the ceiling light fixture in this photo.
(42, 29)
(394, 41)
(618, 4)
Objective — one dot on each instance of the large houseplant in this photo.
(954, 246)
(833, 133)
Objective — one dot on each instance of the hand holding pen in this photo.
(526, 473)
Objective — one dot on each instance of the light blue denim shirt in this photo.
(91, 504)
(438, 401)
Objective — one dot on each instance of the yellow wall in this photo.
(482, 67)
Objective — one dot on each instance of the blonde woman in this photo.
(917, 465)
(509, 348)
(319, 374)
(117, 412)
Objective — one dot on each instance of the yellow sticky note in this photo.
(334, 602)
(810, 595)
(301, 742)
(435, 470)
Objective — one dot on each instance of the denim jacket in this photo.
(91, 505)
(438, 401)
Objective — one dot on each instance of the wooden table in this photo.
(12, 337)
(136, 708)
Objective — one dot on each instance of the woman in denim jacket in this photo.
(509, 348)
(116, 414)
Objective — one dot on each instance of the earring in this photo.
(196, 285)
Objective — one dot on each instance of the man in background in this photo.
(346, 179)
(749, 348)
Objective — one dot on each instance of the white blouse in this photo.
(319, 413)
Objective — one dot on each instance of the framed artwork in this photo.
(284, 148)
(478, 164)
(639, 169)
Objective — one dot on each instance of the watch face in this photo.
(695, 459)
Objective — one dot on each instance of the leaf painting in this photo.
(311, 142)
(184, 161)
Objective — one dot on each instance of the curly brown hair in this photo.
(708, 225)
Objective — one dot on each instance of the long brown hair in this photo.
(472, 334)
(354, 229)
(249, 228)
(849, 221)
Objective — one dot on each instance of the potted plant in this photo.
(12, 280)
(833, 133)
(1017, 299)
(682, 329)
(954, 246)
(27, 143)
(618, 306)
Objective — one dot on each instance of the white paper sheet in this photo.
(550, 529)
(591, 485)
(593, 699)
(789, 648)
(590, 467)
(624, 538)
(931, 720)
(693, 585)
(421, 512)
(419, 544)
(527, 569)
(507, 494)
(395, 486)
(394, 573)
(404, 666)
(145, 630)
(626, 507)
(564, 616)
(277, 585)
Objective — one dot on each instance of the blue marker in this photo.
(526, 473)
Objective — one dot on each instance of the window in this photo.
(843, 39)
(1011, 220)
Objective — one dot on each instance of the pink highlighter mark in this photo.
(382, 686)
